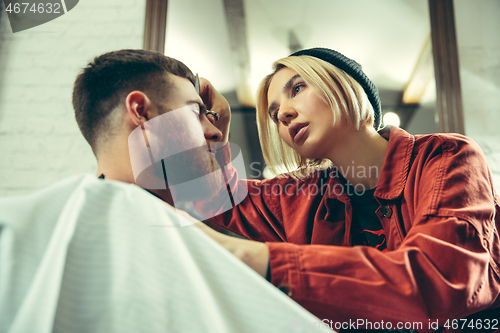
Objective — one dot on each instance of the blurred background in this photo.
(437, 67)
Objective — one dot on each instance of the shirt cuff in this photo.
(285, 267)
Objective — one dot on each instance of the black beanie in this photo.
(352, 68)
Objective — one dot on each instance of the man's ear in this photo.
(139, 108)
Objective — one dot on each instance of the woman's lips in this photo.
(300, 134)
(297, 130)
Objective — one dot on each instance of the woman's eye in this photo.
(298, 88)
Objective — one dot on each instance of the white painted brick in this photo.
(6, 161)
(10, 192)
(33, 178)
(40, 142)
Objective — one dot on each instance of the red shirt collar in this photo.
(394, 173)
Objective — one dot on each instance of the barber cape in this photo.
(91, 255)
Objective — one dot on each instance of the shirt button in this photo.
(386, 211)
(286, 288)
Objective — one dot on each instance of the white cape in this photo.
(88, 255)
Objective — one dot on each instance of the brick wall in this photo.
(39, 140)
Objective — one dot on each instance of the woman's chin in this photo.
(309, 154)
(308, 150)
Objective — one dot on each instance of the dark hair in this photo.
(105, 82)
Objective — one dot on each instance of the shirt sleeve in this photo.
(258, 209)
(244, 207)
(444, 267)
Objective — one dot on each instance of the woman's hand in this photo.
(214, 101)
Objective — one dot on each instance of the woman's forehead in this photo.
(279, 80)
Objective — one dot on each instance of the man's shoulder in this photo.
(70, 184)
(76, 194)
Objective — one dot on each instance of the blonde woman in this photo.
(380, 226)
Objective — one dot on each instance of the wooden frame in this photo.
(446, 67)
(235, 18)
(155, 25)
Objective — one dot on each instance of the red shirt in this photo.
(437, 209)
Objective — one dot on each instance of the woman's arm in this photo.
(445, 267)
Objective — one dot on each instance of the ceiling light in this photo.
(390, 118)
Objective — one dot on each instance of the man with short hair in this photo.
(120, 91)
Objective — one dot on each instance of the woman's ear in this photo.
(139, 108)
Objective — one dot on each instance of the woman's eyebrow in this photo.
(288, 85)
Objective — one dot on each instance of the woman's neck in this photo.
(360, 157)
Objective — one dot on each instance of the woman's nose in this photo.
(286, 114)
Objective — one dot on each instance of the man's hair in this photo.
(105, 82)
(344, 95)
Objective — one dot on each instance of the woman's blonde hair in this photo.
(344, 95)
